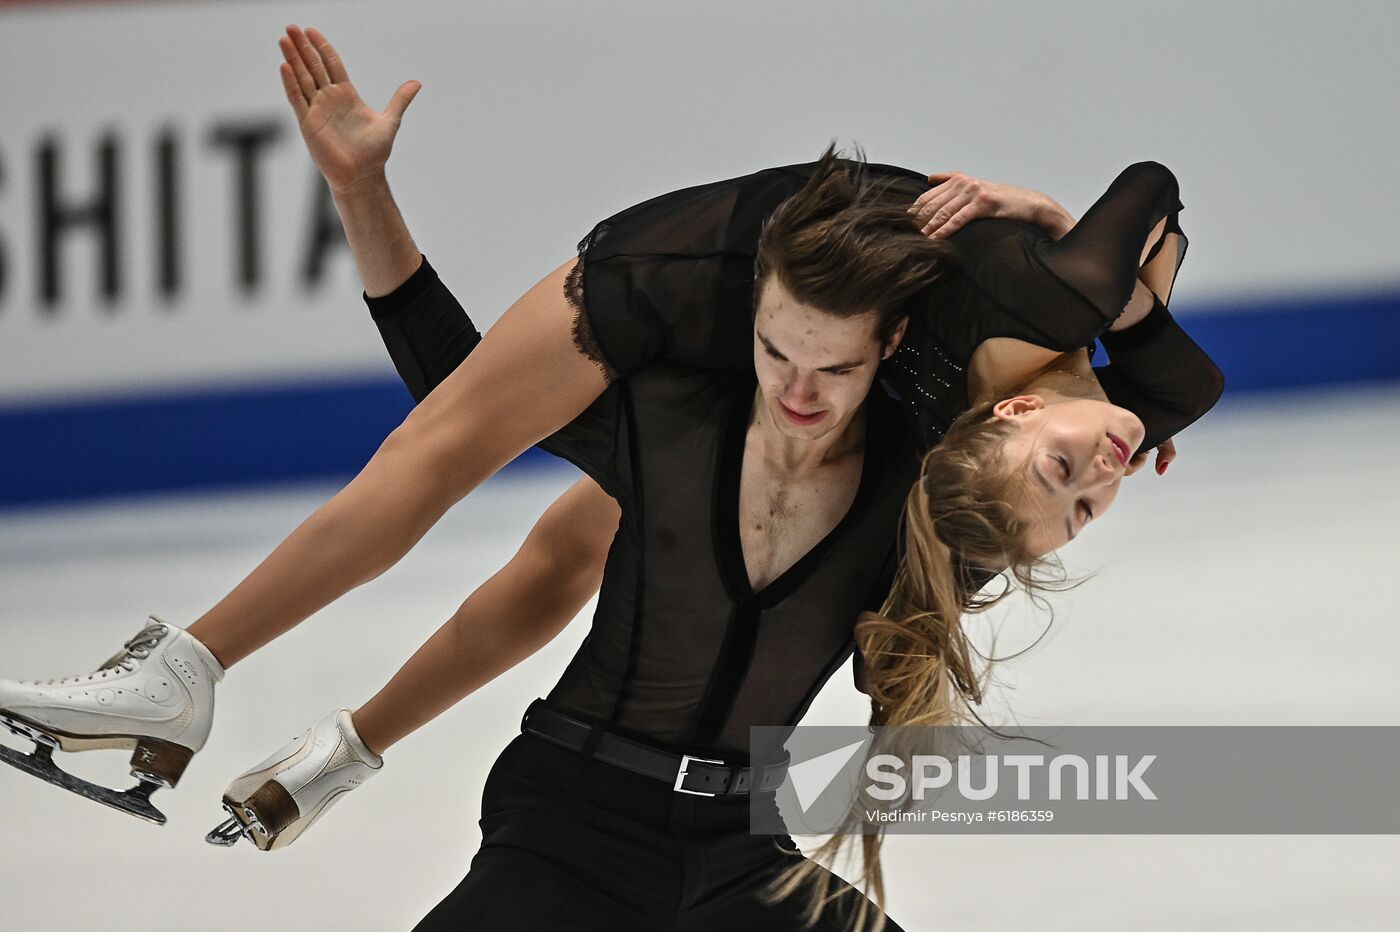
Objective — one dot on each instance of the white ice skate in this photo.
(156, 695)
(277, 800)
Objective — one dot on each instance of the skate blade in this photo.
(135, 801)
(242, 822)
(226, 833)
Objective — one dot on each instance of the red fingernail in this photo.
(1162, 468)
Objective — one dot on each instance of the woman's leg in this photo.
(526, 380)
(509, 617)
(523, 382)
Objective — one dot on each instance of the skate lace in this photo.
(124, 661)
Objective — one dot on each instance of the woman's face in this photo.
(814, 368)
(1076, 452)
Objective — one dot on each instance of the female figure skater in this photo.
(681, 403)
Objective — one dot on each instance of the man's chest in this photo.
(781, 518)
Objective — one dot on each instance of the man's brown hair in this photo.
(847, 244)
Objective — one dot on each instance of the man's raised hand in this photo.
(958, 199)
(348, 140)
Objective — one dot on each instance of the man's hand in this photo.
(348, 140)
(960, 199)
(1166, 452)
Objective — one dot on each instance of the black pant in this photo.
(571, 844)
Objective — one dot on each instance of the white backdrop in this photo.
(538, 119)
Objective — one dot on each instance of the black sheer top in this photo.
(682, 652)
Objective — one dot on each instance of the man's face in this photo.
(814, 368)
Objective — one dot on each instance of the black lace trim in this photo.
(584, 337)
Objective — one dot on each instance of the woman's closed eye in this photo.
(1085, 510)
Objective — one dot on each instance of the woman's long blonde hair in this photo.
(847, 244)
(960, 528)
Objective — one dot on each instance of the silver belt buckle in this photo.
(680, 775)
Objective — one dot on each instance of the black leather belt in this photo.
(698, 776)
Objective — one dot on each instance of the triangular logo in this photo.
(811, 777)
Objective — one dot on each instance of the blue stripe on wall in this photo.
(208, 439)
(1301, 342)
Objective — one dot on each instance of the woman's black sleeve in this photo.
(1061, 294)
(1065, 294)
(1159, 373)
(1155, 370)
(424, 329)
(1100, 257)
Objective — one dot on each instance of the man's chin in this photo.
(807, 434)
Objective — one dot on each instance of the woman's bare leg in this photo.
(526, 380)
(509, 617)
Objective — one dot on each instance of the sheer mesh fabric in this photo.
(681, 651)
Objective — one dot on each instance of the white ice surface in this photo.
(1249, 585)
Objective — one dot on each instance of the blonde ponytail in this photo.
(959, 529)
